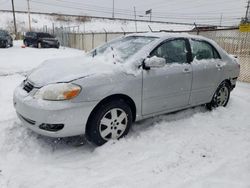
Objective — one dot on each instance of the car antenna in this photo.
(151, 30)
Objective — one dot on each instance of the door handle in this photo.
(186, 70)
(218, 66)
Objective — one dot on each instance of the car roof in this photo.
(37, 32)
(168, 35)
(43, 33)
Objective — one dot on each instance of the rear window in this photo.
(203, 50)
(44, 35)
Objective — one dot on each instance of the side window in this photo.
(203, 50)
(47, 35)
(34, 35)
(30, 34)
(216, 54)
(173, 51)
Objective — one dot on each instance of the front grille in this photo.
(28, 87)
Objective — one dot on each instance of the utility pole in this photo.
(135, 20)
(221, 15)
(14, 17)
(28, 2)
(113, 12)
(247, 11)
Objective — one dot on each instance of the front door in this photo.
(168, 87)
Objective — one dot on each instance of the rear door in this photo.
(168, 87)
(207, 70)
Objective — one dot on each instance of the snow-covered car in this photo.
(5, 39)
(128, 79)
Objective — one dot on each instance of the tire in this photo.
(5, 45)
(111, 120)
(25, 43)
(220, 97)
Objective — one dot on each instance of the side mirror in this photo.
(155, 62)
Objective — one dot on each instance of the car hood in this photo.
(69, 69)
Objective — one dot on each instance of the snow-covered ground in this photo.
(191, 148)
(93, 25)
(20, 60)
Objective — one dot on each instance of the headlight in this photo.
(58, 92)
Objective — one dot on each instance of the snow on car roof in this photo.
(168, 35)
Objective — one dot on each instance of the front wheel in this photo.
(111, 120)
(220, 97)
(5, 44)
(25, 43)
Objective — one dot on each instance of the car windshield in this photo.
(125, 47)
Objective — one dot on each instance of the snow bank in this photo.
(191, 148)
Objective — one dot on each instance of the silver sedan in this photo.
(128, 79)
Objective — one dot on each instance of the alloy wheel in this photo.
(222, 95)
(113, 124)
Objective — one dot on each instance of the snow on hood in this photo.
(68, 69)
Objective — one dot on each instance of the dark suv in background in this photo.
(40, 40)
(5, 39)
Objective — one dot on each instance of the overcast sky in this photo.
(189, 11)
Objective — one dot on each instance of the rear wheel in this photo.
(221, 96)
(111, 120)
(39, 45)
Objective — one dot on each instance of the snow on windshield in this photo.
(124, 47)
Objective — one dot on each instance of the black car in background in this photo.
(40, 40)
(5, 39)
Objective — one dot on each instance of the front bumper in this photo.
(34, 112)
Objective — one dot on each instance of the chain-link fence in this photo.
(232, 40)
(85, 41)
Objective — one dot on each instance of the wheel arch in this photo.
(123, 97)
(228, 81)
